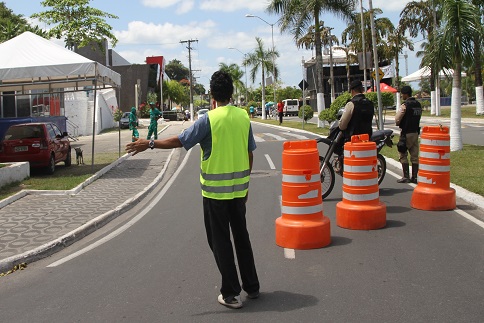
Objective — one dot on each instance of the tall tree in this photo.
(176, 70)
(298, 15)
(461, 21)
(423, 17)
(383, 28)
(479, 44)
(261, 58)
(77, 22)
(236, 73)
(395, 44)
(12, 25)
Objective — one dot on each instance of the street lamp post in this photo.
(273, 61)
(245, 66)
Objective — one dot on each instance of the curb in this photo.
(69, 238)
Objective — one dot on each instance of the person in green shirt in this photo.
(155, 114)
(133, 123)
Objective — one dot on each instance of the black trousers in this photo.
(280, 116)
(221, 216)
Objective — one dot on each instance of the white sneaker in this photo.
(230, 301)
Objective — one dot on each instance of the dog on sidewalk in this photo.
(79, 157)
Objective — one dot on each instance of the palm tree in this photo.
(261, 58)
(395, 44)
(383, 28)
(351, 58)
(236, 73)
(297, 16)
(478, 42)
(423, 17)
(461, 21)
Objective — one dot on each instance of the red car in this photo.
(41, 144)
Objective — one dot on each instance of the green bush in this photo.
(330, 114)
(144, 111)
(386, 99)
(308, 112)
(117, 114)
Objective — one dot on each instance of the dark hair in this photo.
(406, 90)
(221, 86)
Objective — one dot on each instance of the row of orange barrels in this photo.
(303, 225)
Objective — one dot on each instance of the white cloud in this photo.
(167, 34)
(160, 3)
(233, 5)
(185, 7)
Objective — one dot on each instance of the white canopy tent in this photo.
(30, 62)
(424, 73)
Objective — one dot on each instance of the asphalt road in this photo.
(422, 267)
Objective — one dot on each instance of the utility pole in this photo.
(189, 47)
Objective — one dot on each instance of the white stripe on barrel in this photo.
(360, 182)
(360, 197)
(437, 169)
(302, 210)
(300, 178)
(426, 154)
(431, 142)
(360, 153)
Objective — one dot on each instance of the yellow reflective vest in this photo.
(225, 174)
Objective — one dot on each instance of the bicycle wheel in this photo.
(382, 168)
(327, 180)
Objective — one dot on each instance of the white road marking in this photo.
(289, 253)
(275, 136)
(295, 135)
(128, 224)
(269, 160)
(258, 139)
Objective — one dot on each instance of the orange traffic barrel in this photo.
(433, 191)
(302, 224)
(360, 208)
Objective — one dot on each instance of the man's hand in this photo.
(137, 146)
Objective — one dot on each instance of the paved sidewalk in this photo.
(40, 223)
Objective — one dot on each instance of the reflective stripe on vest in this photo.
(439, 169)
(224, 177)
(430, 142)
(360, 197)
(302, 210)
(360, 153)
(426, 154)
(225, 189)
(300, 178)
(360, 182)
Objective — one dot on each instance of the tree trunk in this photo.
(455, 110)
(319, 67)
(478, 76)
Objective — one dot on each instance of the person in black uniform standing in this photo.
(408, 119)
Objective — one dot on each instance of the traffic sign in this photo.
(380, 74)
(303, 85)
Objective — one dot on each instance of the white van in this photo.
(291, 107)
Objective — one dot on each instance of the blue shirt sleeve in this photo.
(196, 133)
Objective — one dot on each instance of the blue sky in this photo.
(156, 27)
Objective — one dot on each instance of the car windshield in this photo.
(24, 132)
(126, 115)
